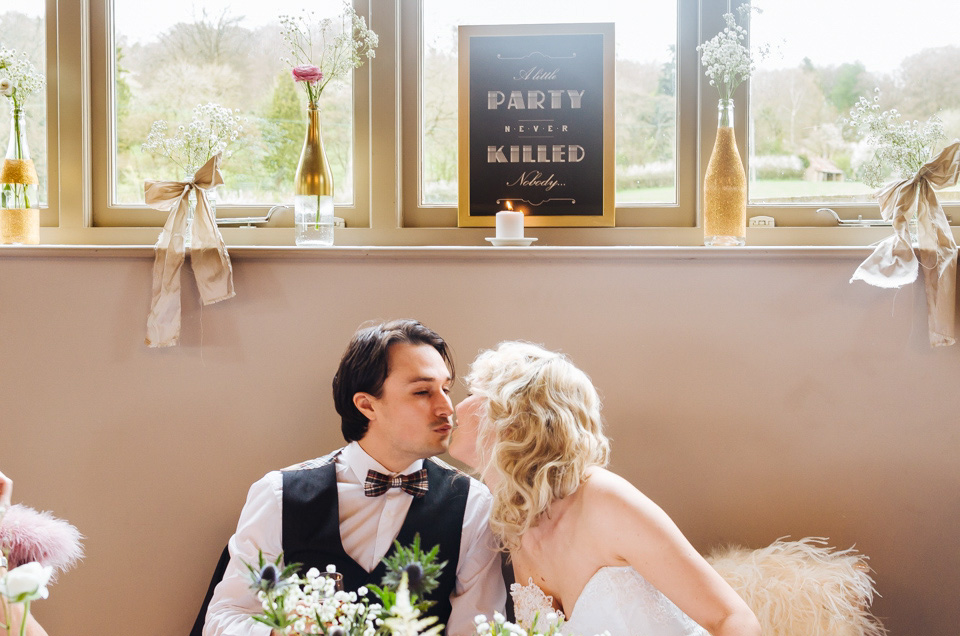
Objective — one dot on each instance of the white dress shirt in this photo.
(368, 526)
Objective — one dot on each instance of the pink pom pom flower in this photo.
(39, 536)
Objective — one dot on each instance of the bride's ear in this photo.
(364, 403)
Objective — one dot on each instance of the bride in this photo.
(591, 548)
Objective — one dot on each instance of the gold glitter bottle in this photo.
(725, 186)
(19, 214)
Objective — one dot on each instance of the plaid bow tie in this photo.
(413, 484)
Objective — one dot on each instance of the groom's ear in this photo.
(364, 403)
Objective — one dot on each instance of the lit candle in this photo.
(509, 223)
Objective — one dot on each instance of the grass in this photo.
(784, 191)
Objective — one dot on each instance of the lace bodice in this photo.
(615, 599)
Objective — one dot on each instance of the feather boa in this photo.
(39, 536)
(802, 588)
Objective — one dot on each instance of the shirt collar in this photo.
(359, 462)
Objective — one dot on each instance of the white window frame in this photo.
(386, 210)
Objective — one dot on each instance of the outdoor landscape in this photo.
(801, 150)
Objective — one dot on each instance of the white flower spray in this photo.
(212, 130)
(726, 56)
(330, 48)
(900, 147)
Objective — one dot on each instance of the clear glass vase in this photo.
(19, 205)
(192, 209)
(725, 186)
(313, 188)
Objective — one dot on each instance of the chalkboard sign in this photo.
(536, 124)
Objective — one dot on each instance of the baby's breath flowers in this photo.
(727, 58)
(212, 129)
(311, 604)
(900, 147)
(18, 77)
(325, 50)
(550, 626)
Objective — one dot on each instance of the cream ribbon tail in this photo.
(208, 254)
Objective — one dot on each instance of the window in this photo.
(802, 153)
(655, 162)
(23, 29)
(163, 60)
(113, 67)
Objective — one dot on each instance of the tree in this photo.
(668, 75)
(282, 128)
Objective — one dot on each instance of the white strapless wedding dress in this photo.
(615, 599)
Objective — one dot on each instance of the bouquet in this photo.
(726, 56)
(899, 147)
(23, 584)
(18, 78)
(36, 546)
(323, 50)
(500, 626)
(312, 604)
(212, 129)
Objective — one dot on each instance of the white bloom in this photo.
(23, 78)
(212, 129)
(6, 87)
(313, 573)
(498, 618)
(726, 59)
(26, 583)
(331, 568)
(335, 47)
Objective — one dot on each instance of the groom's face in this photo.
(411, 418)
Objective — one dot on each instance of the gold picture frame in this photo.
(536, 124)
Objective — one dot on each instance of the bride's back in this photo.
(560, 553)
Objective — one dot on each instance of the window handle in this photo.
(250, 221)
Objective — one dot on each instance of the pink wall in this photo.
(753, 394)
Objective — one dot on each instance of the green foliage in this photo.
(846, 86)
(408, 559)
(667, 85)
(282, 130)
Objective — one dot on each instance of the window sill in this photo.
(465, 253)
(614, 237)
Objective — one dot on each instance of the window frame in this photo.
(386, 209)
(680, 214)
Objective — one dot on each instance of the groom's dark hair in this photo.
(364, 367)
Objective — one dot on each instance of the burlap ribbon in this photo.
(208, 254)
(894, 263)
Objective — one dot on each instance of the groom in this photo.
(346, 508)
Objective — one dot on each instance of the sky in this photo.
(878, 33)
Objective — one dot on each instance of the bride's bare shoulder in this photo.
(606, 491)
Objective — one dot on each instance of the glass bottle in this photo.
(725, 186)
(313, 188)
(19, 211)
(192, 208)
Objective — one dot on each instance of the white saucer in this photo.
(511, 242)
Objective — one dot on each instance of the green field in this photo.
(784, 191)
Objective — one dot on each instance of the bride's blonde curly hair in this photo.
(540, 425)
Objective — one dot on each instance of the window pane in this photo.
(174, 55)
(646, 104)
(23, 29)
(801, 149)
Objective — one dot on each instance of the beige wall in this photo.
(753, 395)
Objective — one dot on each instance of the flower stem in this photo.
(26, 613)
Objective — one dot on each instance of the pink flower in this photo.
(307, 73)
